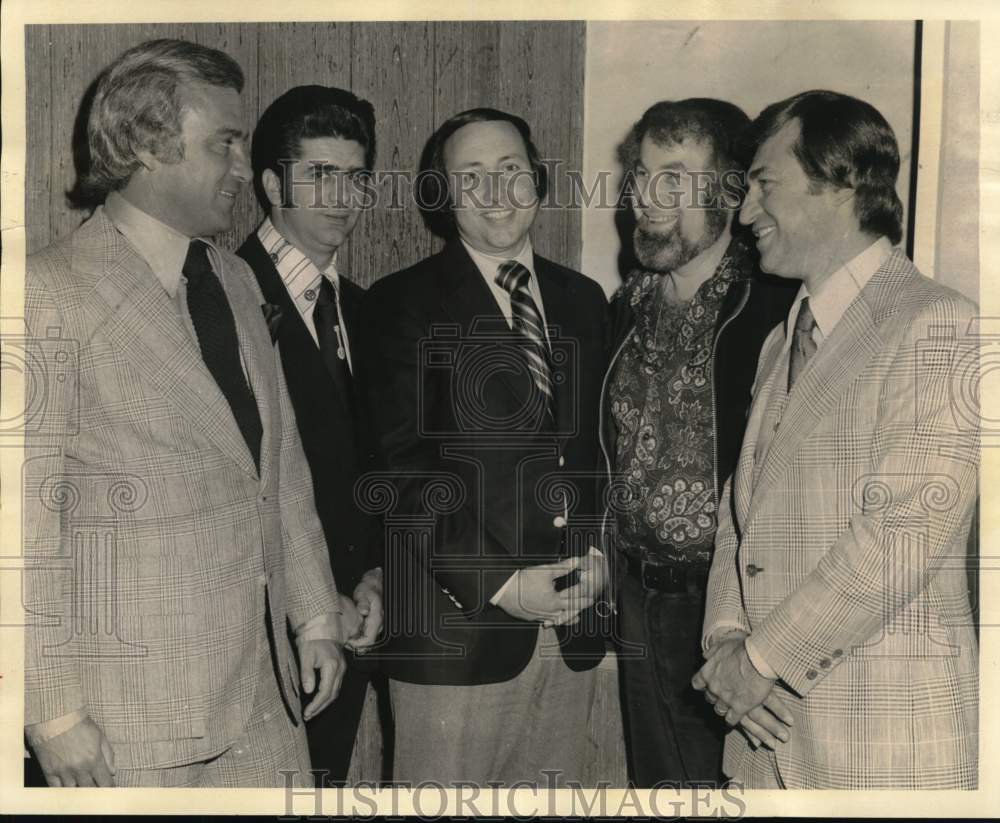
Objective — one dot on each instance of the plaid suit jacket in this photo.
(154, 549)
(841, 546)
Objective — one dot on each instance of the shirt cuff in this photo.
(321, 627)
(47, 729)
(758, 661)
(499, 593)
(718, 631)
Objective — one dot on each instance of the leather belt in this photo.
(667, 578)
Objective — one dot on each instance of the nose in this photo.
(750, 209)
(240, 168)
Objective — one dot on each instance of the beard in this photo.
(665, 252)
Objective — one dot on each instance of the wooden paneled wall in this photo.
(417, 75)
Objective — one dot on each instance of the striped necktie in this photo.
(803, 345)
(513, 278)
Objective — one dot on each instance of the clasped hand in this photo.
(531, 593)
(741, 694)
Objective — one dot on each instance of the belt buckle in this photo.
(664, 577)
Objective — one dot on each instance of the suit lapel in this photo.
(258, 355)
(468, 300)
(138, 315)
(556, 300)
(299, 351)
(830, 373)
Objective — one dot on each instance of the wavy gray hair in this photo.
(137, 106)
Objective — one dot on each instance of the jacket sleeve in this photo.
(723, 600)
(52, 686)
(906, 516)
(311, 588)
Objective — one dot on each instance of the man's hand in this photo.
(531, 594)
(368, 599)
(593, 575)
(591, 582)
(348, 620)
(730, 680)
(766, 724)
(80, 756)
(327, 656)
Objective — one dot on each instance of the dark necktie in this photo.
(216, 331)
(527, 321)
(331, 334)
(803, 345)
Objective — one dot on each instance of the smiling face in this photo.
(492, 186)
(196, 195)
(325, 194)
(672, 226)
(800, 226)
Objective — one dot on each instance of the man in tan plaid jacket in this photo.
(838, 630)
(170, 531)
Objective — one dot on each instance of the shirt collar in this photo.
(299, 274)
(836, 293)
(488, 263)
(164, 249)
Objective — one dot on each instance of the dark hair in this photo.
(137, 106)
(305, 112)
(844, 142)
(722, 125)
(433, 197)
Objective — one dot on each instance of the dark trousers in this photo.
(671, 733)
(331, 734)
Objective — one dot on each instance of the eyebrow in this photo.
(478, 164)
(756, 172)
(319, 165)
(232, 133)
(675, 165)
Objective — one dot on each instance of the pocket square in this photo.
(272, 316)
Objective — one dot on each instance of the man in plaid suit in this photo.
(838, 587)
(169, 524)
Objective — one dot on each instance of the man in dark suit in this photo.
(484, 365)
(311, 150)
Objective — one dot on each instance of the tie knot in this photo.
(805, 322)
(512, 275)
(196, 263)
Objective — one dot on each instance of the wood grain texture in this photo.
(38, 136)
(416, 74)
(393, 67)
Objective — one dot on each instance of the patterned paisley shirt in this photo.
(661, 400)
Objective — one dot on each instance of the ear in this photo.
(148, 160)
(272, 187)
(841, 196)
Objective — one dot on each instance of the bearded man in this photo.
(689, 324)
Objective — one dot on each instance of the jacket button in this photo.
(351, 547)
(559, 521)
(837, 653)
(752, 569)
(811, 674)
(825, 663)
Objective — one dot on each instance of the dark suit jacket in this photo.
(333, 433)
(481, 486)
